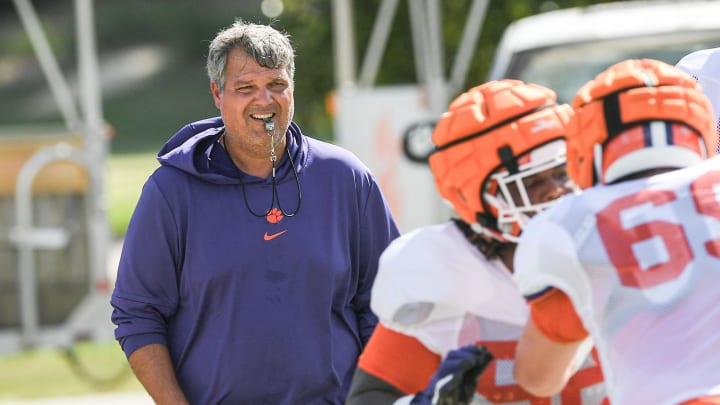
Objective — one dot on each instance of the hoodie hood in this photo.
(195, 149)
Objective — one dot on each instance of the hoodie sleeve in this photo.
(146, 289)
(378, 230)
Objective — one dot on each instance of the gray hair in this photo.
(269, 47)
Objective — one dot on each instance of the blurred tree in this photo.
(307, 21)
(153, 55)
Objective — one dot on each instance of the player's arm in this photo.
(391, 366)
(153, 368)
(368, 389)
(547, 349)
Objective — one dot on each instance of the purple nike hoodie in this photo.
(253, 309)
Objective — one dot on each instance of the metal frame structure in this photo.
(427, 38)
(82, 118)
(372, 121)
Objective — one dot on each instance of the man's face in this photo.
(530, 191)
(541, 180)
(253, 93)
(542, 187)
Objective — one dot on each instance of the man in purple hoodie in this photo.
(247, 266)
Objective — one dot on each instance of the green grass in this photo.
(126, 175)
(47, 373)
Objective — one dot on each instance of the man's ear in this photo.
(215, 93)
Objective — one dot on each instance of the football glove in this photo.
(455, 381)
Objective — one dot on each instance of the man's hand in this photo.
(455, 381)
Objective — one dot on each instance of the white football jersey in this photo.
(640, 261)
(704, 66)
(436, 287)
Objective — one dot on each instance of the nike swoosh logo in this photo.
(274, 235)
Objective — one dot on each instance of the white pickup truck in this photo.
(565, 48)
(389, 127)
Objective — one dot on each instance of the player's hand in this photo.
(455, 381)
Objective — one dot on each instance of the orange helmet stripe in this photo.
(688, 138)
(626, 142)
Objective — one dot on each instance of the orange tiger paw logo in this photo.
(274, 216)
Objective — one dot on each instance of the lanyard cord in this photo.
(275, 194)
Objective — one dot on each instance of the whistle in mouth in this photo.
(269, 125)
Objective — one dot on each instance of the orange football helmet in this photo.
(491, 138)
(637, 115)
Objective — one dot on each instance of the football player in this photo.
(499, 160)
(634, 260)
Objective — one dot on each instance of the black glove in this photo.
(455, 381)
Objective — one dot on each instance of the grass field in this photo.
(126, 175)
(48, 373)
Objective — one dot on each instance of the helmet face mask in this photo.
(516, 197)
